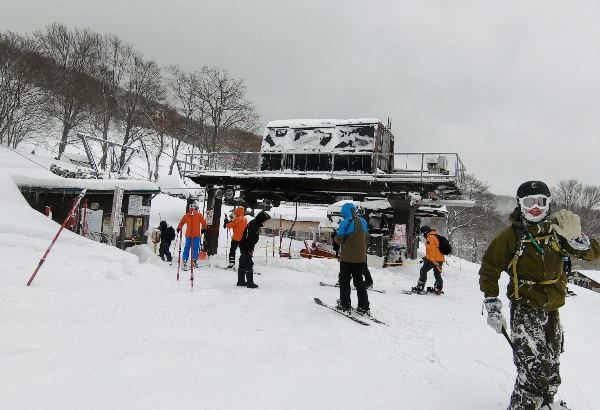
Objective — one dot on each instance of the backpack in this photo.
(156, 235)
(170, 233)
(445, 247)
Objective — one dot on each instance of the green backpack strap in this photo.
(523, 237)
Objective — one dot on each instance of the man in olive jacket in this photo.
(351, 237)
(531, 251)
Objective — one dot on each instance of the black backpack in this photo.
(445, 247)
(170, 233)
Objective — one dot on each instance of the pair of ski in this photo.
(234, 269)
(336, 286)
(349, 315)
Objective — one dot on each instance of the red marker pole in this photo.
(77, 200)
(179, 258)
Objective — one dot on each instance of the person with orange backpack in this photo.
(238, 224)
(196, 225)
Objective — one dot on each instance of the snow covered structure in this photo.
(54, 195)
(321, 162)
(328, 145)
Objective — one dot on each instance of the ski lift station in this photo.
(323, 161)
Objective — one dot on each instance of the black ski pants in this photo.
(164, 251)
(354, 271)
(234, 246)
(246, 267)
(367, 273)
(427, 266)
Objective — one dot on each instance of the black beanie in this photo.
(532, 188)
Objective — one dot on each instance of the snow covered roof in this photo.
(592, 274)
(33, 172)
(320, 135)
(310, 123)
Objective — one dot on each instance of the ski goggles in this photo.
(542, 201)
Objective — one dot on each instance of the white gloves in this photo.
(569, 226)
(495, 318)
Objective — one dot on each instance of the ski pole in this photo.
(194, 251)
(512, 346)
(77, 200)
(174, 247)
(179, 257)
(227, 244)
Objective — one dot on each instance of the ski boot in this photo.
(184, 265)
(344, 309)
(230, 266)
(368, 286)
(196, 264)
(363, 312)
(241, 279)
(250, 279)
(419, 288)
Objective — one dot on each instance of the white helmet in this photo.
(194, 205)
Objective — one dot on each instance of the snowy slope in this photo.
(100, 328)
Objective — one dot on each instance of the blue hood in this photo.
(346, 211)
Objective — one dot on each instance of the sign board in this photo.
(115, 220)
(209, 216)
(135, 206)
(399, 236)
(93, 220)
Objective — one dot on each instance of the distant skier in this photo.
(249, 239)
(238, 224)
(567, 267)
(167, 234)
(434, 259)
(351, 237)
(195, 226)
(531, 251)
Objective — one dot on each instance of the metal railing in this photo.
(409, 166)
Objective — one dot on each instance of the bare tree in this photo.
(582, 199)
(184, 94)
(140, 90)
(471, 229)
(163, 124)
(20, 98)
(74, 54)
(224, 105)
(112, 61)
(460, 218)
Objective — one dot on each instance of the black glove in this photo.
(203, 231)
(177, 230)
(225, 222)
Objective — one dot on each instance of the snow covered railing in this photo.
(409, 166)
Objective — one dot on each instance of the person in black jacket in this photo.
(249, 239)
(167, 234)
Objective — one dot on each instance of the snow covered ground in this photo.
(100, 328)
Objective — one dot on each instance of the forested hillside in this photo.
(57, 82)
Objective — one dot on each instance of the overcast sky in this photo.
(512, 86)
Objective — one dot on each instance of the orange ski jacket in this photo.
(193, 219)
(432, 248)
(238, 224)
